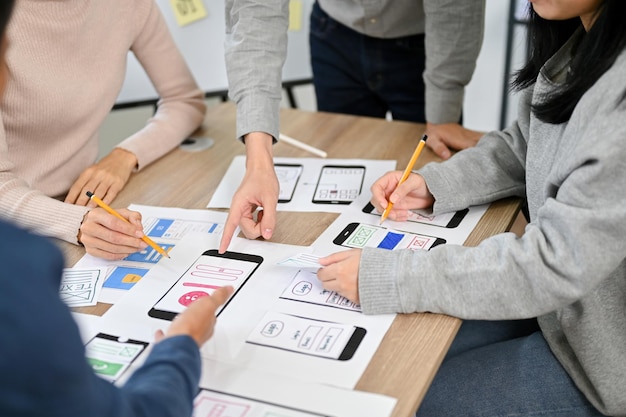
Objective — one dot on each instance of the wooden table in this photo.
(414, 346)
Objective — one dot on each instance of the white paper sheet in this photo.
(81, 286)
(238, 320)
(166, 226)
(305, 186)
(324, 244)
(88, 325)
(268, 394)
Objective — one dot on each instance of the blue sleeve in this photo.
(43, 370)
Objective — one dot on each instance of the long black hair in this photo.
(594, 54)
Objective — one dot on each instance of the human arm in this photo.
(45, 359)
(180, 109)
(573, 242)
(256, 47)
(453, 37)
(259, 188)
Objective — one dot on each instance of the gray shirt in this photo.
(256, 46)
(569, 267)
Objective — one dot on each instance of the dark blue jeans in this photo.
(365, 76)
(503, 368)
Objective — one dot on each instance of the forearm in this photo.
(256, 47)
(454, 33)
(37, 212)
(167, 382)
(181, 107)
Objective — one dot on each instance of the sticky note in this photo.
(188, 11)
(295, 15)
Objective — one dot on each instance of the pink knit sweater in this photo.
(67, 63)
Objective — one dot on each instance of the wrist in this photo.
(125, 157)
(259, 151)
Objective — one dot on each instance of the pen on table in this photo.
(405, 174)
(108, 208)
(304, 146)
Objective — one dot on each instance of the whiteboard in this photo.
(202, 45)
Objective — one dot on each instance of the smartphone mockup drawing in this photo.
(110, 356)
(307, 336)
(209, 272)
(339, 184)
(360, 235)
(288, 176)
(447, 220)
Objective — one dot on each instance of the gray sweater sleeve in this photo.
(256, 47)
(556, 262)
(454, 34)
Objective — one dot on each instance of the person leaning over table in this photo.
(67, 64)
(545, 329)
(411, 58)
(43, 370)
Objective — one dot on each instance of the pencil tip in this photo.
(89, 194)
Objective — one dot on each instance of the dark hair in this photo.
(6, 7)
(594, 54)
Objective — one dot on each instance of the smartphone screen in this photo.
(448, 220)
(339, 184)
(109, 356)
(359, 235)
(288, 176)
(308, 336)
(209, 272)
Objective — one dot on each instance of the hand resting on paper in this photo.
(411, 194)
(341, 273)
(198, 320)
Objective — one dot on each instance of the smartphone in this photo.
(288, 176)
(360, 235)
(109, 356)
(209, 272)
(339, 184)
(448, 220)
(307, 336)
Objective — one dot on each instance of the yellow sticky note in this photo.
(295, 15)
(188, 11)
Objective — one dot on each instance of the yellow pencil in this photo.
(108, 208)
(407, 171)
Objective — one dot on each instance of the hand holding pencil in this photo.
(416, 195)
(110, 234)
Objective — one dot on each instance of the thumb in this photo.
(268, 221)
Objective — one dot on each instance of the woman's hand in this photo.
(411, 194)
(341, 273)
(106, 178)
(108, 237)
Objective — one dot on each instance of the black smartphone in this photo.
(339, 184)
(209, 272)
(360, 235)
(110, 356)
(448, 220)
(288, 176)
(307, 336)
